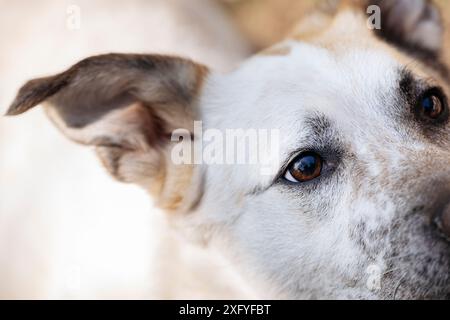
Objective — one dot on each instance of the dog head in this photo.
(359, 205)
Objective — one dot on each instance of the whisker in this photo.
(399, 284)
(391, 270)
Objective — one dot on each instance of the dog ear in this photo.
(415, 26)
(126, 106)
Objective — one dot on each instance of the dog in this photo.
(358, 207)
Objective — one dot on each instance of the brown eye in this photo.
(305, 167)
(432, 105)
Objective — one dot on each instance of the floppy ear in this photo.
(126, 106)
(413, 25)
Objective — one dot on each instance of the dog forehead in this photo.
(276, 90)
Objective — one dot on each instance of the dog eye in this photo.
(305, 167)
(432, 105)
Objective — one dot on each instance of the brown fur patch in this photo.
(123, 74)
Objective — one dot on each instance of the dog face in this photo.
(359, 206)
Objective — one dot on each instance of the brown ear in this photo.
(126, 106)
(415, 26)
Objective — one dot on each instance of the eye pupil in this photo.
(432, 106)
(306, 167)
(427, 104)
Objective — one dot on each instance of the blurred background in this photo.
(67, 230)
(265, 22)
